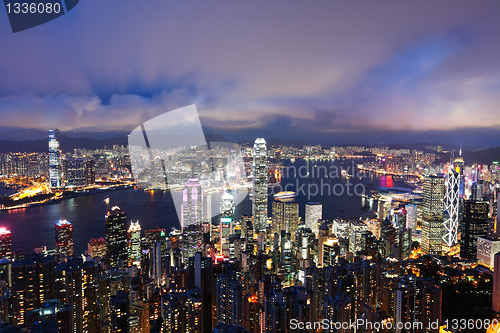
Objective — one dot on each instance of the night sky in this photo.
(336, 71)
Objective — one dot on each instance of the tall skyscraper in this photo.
(5, 244)
(314, 216)
(134, 232)
(226, 222)
(64, 237)
(97, 247)
(496, 283)
(54, 160)
(116, 237)
(286, 215)
(192, 203)
(432, 214)
(259, 205)
(473, 225)
(89, 173)
(452, 205)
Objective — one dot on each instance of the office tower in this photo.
(285, 212)
(116, 237)
(496, 283)
(259, 204)
(473, 225)
(89, 173)
(314, 215)
(486, 250)
(433, 196)
(97, 247)
(54, 160)
(226, 222)
(476, 190)
(452, 206)
(192, 203)
(134, 236)
(405, 243)
(120, 312)
(182, 311)
(411, 216)
(432, 214)
(64, 237)
(74, 172)
(5, 244)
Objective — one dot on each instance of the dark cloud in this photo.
(323, 66)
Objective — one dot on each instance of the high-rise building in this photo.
(259, 204)
(496, 283)
(314, 216)
(226, 222)
(89, 172)
(433, 196)
(54, 160)
(74, 172)
(64, 237)
(192, 203)
(411, 216)
(97, 247)
(285, 212)
(452, 206)
(432, 214)
(5, 244)
(116, 237)
(473, 225)
(134, 236)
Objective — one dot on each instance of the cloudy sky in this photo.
(336, 71)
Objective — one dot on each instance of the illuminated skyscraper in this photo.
(192, 203)
(54, 160)
(5, 244)
(64, 237)
(432, 214)
(473, 225)
(259, 205)
(97, 247)
(134, 232)
(314, 215)
(116, 237)
(452, 205)
(286, 215)
(226, 221)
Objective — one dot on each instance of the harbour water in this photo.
(34, 226)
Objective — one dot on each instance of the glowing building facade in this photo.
(5, 244)
(64, 237)
(116, 237)
(452, 205)
(314, 216)
(54, 160)
(259, 205)
(134, 236)
(192, 203)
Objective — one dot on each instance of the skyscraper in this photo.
(452, 205)
(54, 160)
(134, 232)
(432, 214)
(286, 215)
(259, 205)
(64, 237)
(5, 244)
(192, 203)
(226, 221)
(74, 172)
(314, 214)
(496, 283)
(473, 225)
(116, 237)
